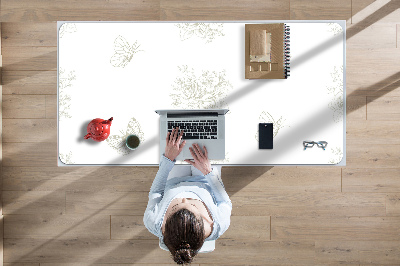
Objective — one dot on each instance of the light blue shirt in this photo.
(209, 188)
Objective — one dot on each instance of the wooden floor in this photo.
(281, 215)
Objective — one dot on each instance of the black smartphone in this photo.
(265, 136)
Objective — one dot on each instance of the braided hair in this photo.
(184, 235)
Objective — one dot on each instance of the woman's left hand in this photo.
(174, 145)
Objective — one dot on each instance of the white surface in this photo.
(91, 86)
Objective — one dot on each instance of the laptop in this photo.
(204, 127)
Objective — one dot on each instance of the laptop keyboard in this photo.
(196, 129)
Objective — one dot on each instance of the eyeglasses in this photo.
(310, 144)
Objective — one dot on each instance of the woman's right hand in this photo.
(200, 159)
(174, 145)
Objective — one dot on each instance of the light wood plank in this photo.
(266, 263)
(24, 106)
(371, 180)
(248, 227)
(356, 108)
(365, 61)
(316, 9)
(58, 178)
(132, 178)
(375, 36)
(29, 130)
(254, 227)
(393, 204)
(358, 6)
(1, 236)
(383, 108)
(308, 204)
(30, 82)
(147, 251)
(336, 228)
(33, 202)
(111, 264)
(21, 264)
(245, 204)
(397, 35)
(370, 12)
(224, 10)
(31, 58)
(1, 157)
(50, 226)
(48, 10)
(30, 154)
(29, 34)
(1, 34)
(107, 203)
(91, 252)
(129, 227)
(373, 132)
(262, 252)
(358, 252)
(373, 83)
(120, 179)
(51, 106)
(374, 156)
(284, 179)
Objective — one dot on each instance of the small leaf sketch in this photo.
(67, 28)
(266, 117)
(335, 89)
(123, 52)
(205, 31)
(336, 105)
(200, 91)
(336, 156)
(117, 142)
(64, 101)
(66, 158)
(335, 28)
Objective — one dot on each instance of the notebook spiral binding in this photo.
(286, 51)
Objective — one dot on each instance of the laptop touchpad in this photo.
(186, 151)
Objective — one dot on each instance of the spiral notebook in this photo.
(267, 50)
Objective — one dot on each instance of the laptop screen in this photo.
(191, 114)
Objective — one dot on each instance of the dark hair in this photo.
(184, 235)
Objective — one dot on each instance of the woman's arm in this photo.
(156, 194)
(167, 162)
(202, 163)
(218, 188)
(222, 200)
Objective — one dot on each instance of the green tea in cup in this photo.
(132, 142)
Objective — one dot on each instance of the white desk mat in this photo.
(127, 70)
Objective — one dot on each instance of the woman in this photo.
(188, 206)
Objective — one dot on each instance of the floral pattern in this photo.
(64, 101)
(109, 56)
(335, 89)
(266, 117)
(117, 142)
(206, 31)
(67, 28)
(335, 28)
(66, 158)
(337, 155)
(123, 52)
(207, 90)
